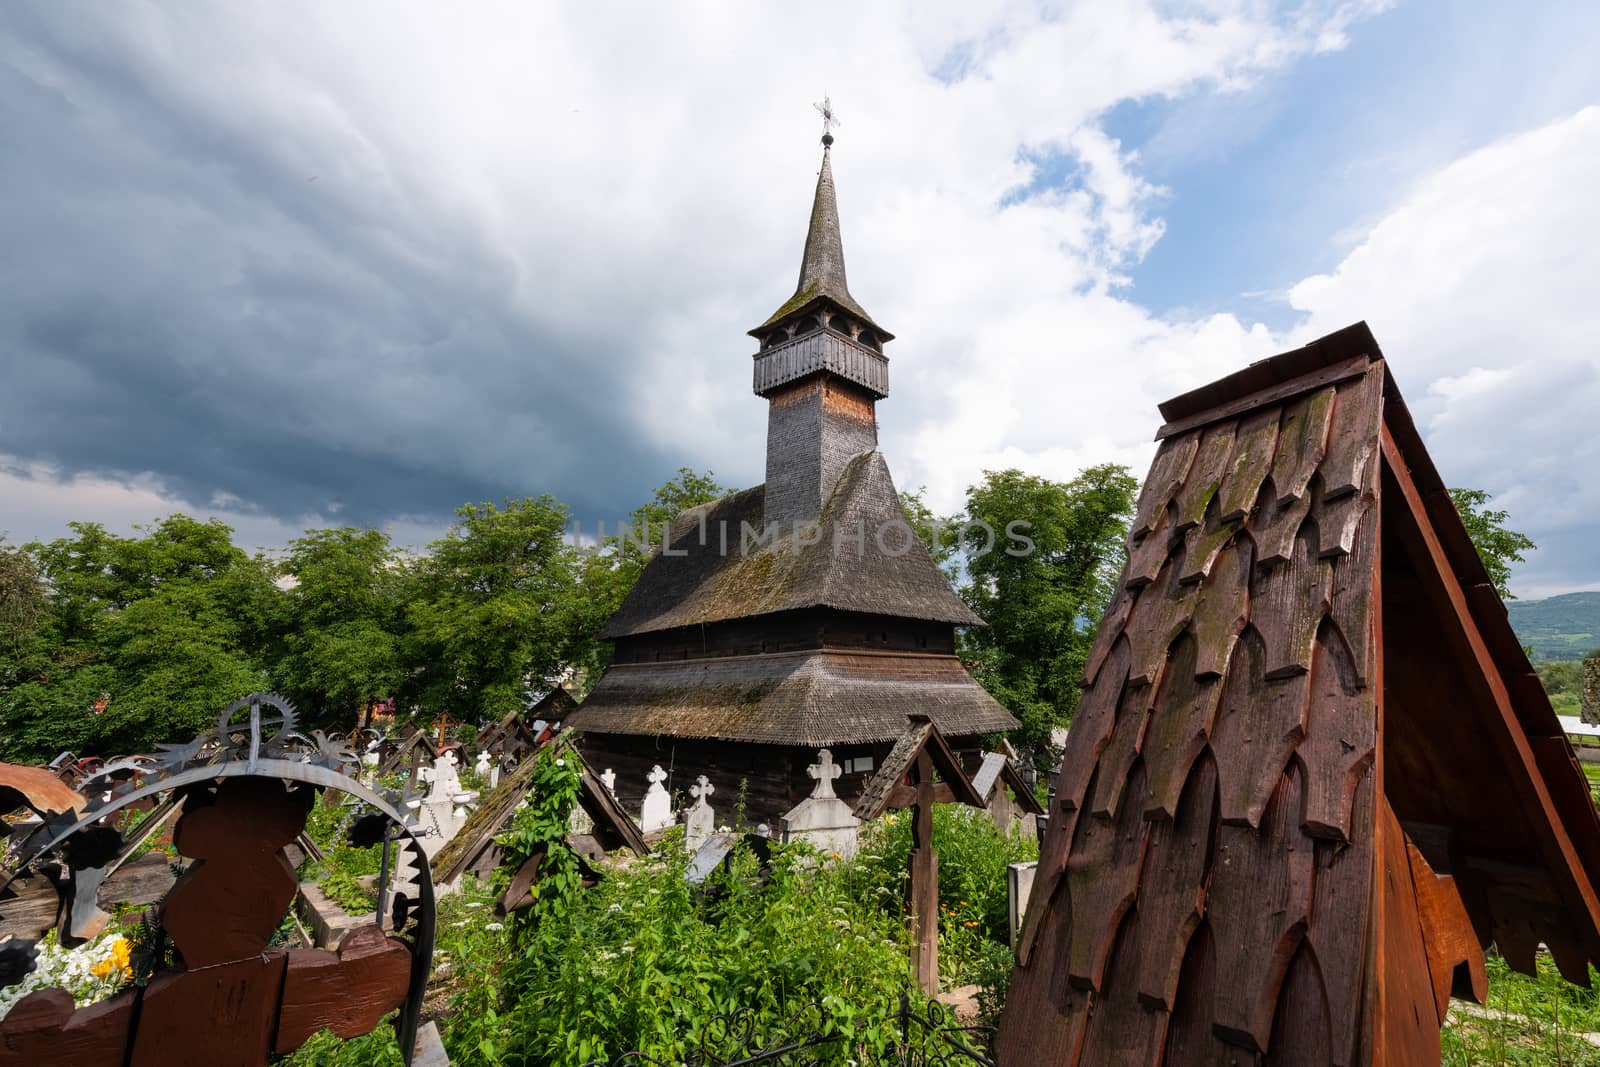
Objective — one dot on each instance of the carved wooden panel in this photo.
(1178, 731)
(1340, 905)
(1102, 880)
(1167, 475)
(1258, 906)
(1302, 440)
(1353, 437)
(1259, 724)
(1250, 463)
(1172, 892)
(1340, 742)
(1205, 474)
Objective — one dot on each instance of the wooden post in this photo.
(924, 883)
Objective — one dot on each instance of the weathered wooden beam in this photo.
(1439, 579)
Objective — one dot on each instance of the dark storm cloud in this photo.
(236, 309)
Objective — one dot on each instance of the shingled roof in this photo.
(1311, 770)
(812, 698)
(846, 568)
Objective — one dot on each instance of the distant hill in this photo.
(1558, 627)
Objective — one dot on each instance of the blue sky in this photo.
(1277, 181)
(304, 264)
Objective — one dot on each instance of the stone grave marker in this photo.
(701, 821)
(657, 813)
(822, 819)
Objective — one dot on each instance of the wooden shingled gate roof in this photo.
(888, 788)
(612, 825)
(1312, 773)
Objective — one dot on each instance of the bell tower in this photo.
(821, 368)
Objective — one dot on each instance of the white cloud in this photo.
(354, 215)
(1479, 285)
(40, 501)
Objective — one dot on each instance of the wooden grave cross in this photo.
(907, 780)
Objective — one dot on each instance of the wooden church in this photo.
(1312, 776)
(803, 613)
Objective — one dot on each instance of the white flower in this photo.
(494, 926)
(615, 907)
(561, 763)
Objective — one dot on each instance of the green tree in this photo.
(342, 647)
(496, 609)
(1497, 546)
(22, 599)
(1043, 598)
(145, 639)
(940, 534)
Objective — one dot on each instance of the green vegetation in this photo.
(1565, 627)
(1534, 1021)
(112, 644)
(1042, 605)
(1563, 681)
(973, 856)
(648, 961)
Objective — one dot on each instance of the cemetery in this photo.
(782, 822)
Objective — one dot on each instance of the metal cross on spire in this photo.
(829, 119)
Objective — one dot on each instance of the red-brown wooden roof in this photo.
(1206, 880)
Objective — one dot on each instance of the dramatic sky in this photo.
(302, 264)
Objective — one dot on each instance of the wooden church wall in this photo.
(788, 632)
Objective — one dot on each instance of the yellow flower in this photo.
(118, 960)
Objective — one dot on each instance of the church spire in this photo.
(822, 276)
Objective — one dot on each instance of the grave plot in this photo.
(604, 830)
(920, 772)
(201, 978)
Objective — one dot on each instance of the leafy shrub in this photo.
(378, 1049)
(345, 889)
(973, 856)
(647, 961)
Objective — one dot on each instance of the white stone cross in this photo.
(610, 780)
(701, 820)
(701, 789)
(482, 766)
(446, 782)
(824, 771)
